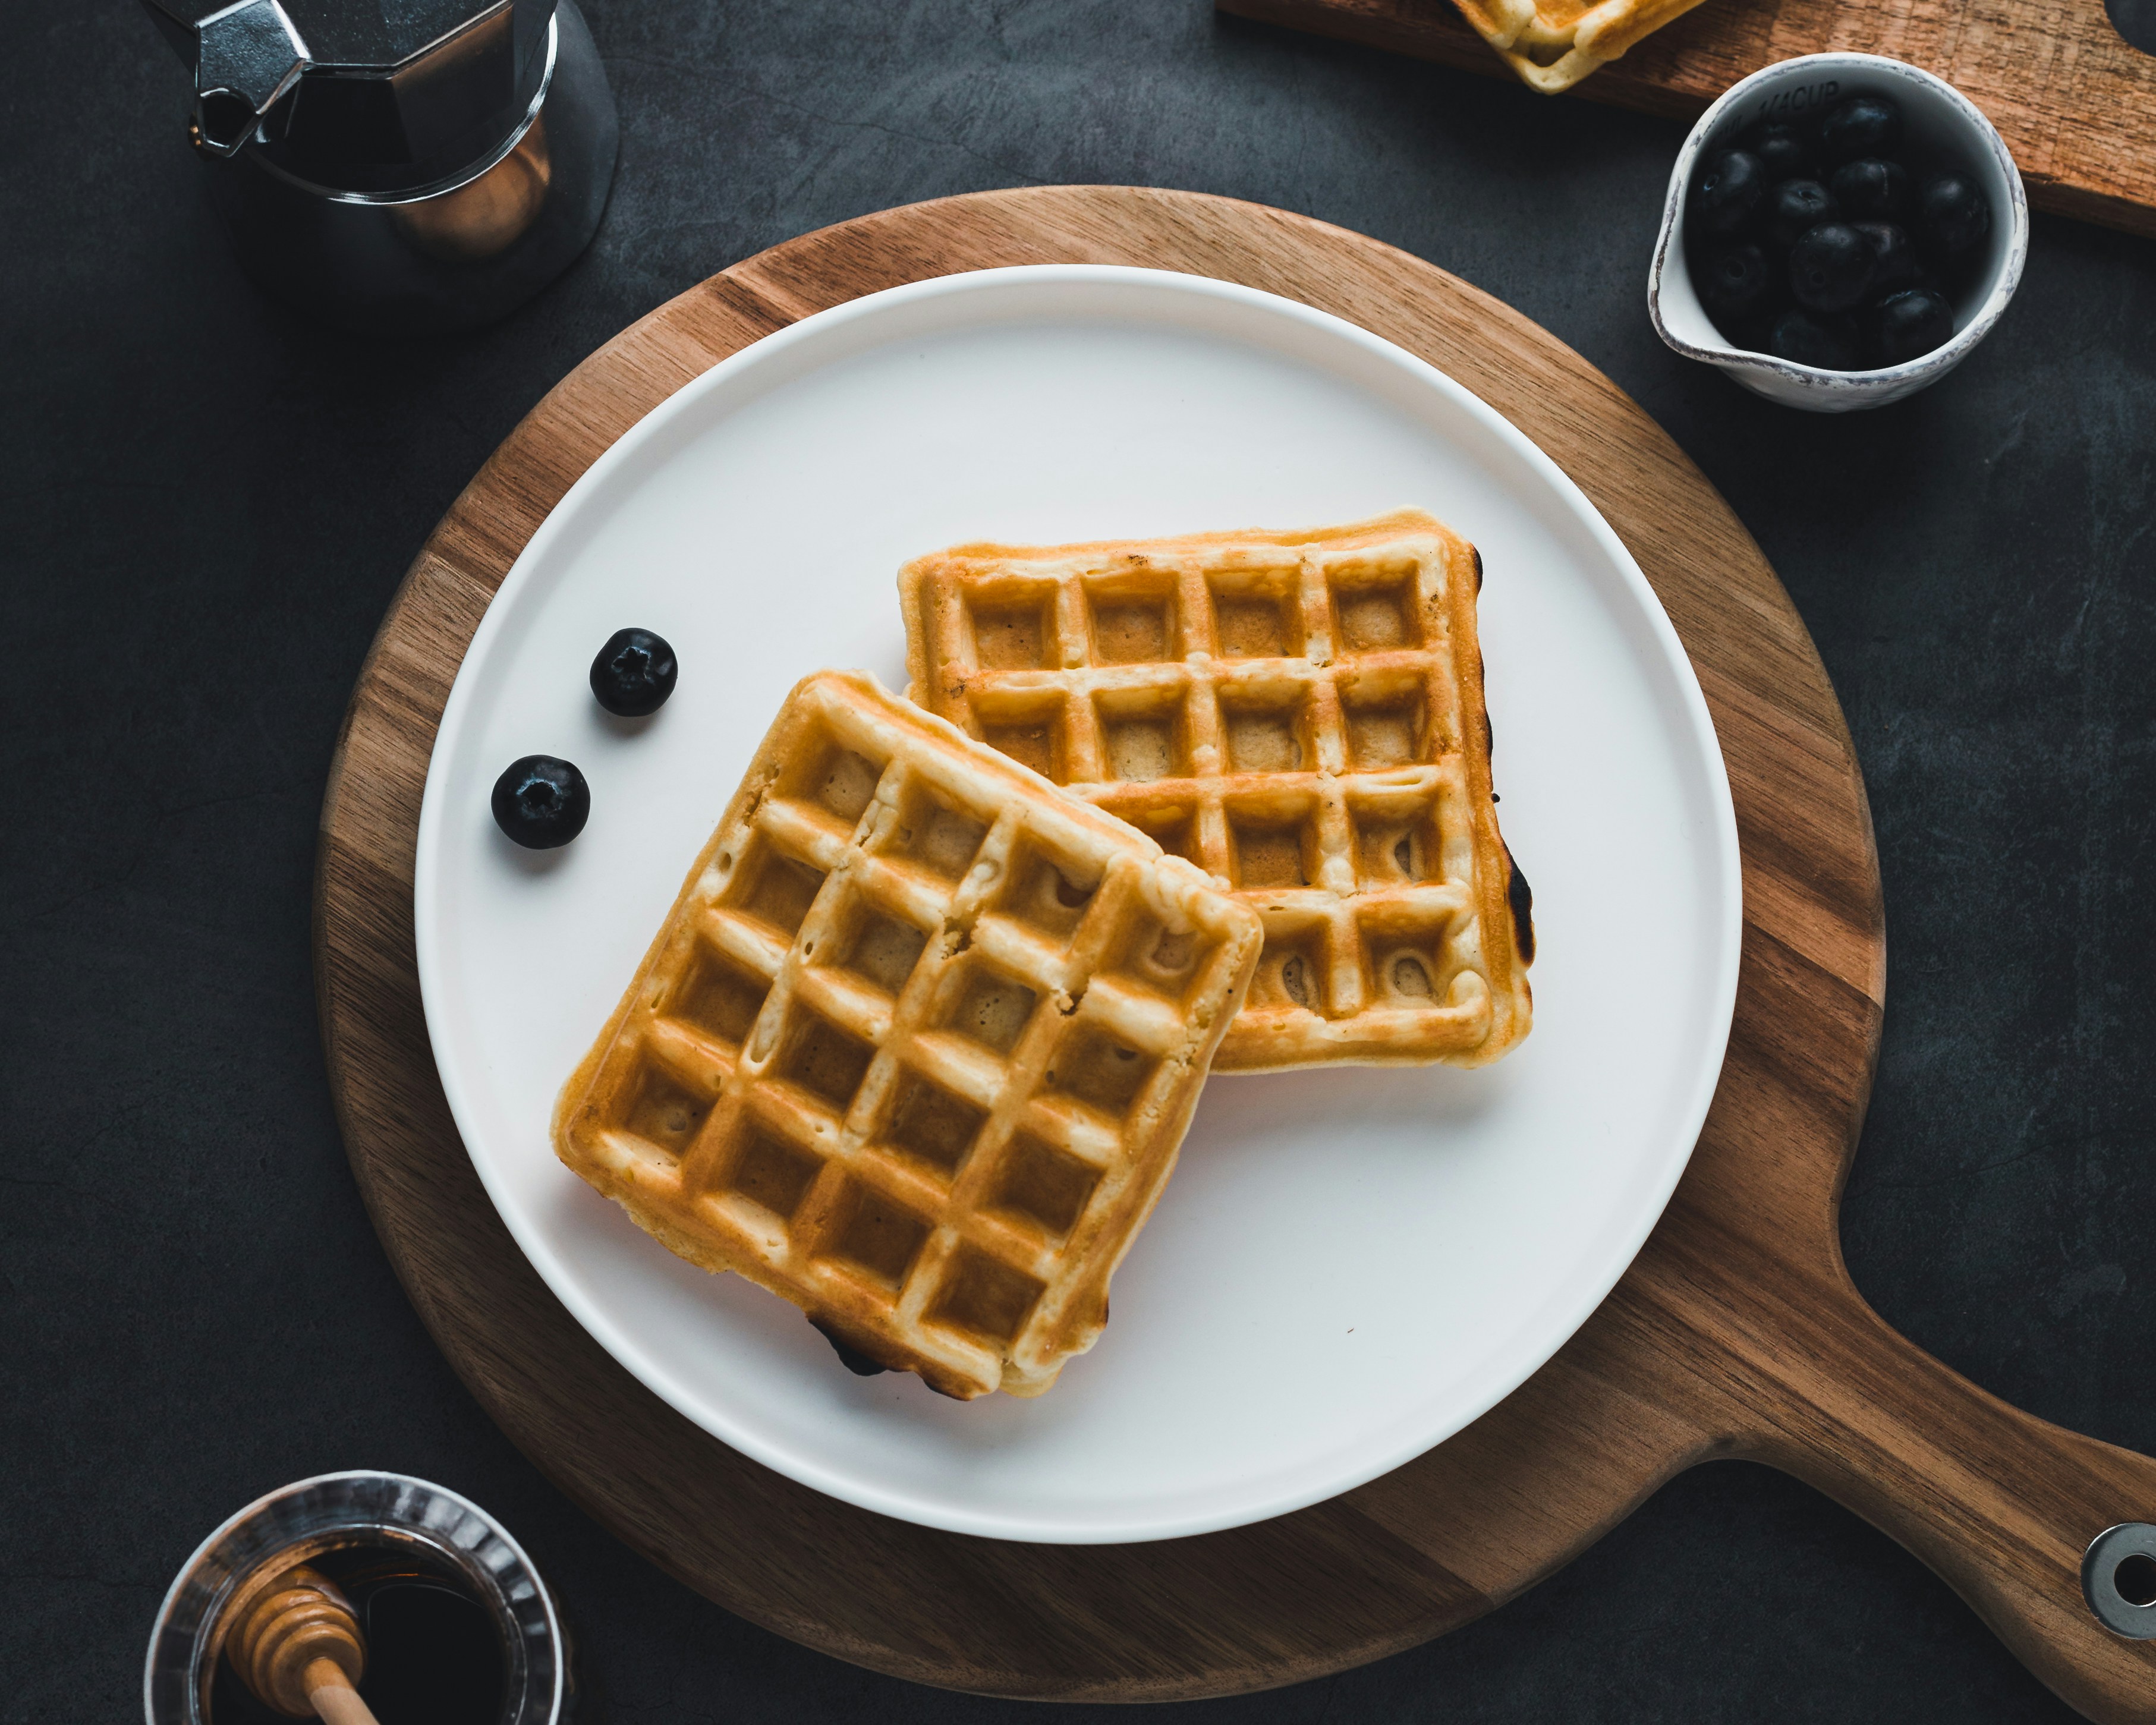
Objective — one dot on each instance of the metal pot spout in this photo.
(245, 58)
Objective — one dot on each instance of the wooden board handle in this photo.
(1999, 1503)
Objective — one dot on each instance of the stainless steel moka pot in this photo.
(399, 165)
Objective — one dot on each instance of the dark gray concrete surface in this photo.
(205, 503)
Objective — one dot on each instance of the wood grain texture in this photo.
(2075, 101)
(1737, 1331)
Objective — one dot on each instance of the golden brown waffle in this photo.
(917, 1046)
(1299, 713)
(1554, 43)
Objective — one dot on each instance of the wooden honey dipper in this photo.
(297, 1646)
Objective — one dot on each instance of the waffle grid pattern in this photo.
(917, 1046)
(1301, 715)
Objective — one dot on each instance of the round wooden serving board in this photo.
(1736, 1332)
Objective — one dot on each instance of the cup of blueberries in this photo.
(1840, 231)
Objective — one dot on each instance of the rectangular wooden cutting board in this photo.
(2076, 103)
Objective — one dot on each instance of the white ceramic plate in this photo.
(1348, 1266)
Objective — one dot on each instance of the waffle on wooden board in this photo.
(1552, 44)
(916, 1046)
(1299, 713)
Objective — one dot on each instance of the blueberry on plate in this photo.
(1862, 125)
(1868, 187)
(1733, 280)
(1830, 268)
(1909, 324)
(1795, 206)
(1783, 149)
(861, 1365)
(634, 674)
(1727, 194)
(1894, 263)
(542, 803)
(1953, 216)
(1827, 343)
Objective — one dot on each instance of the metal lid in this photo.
(367, 97)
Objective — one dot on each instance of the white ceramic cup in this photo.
(1942, 126)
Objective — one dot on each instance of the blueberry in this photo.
(1953, 216)
(1909, 324)
(1783, 150)
(541, 802)
(1825, 342)
(861, 1365)
(634, 674)
(1868, 187)
(1727, 194)
(1893, 259)
(1830, 268)
(1795, 206)
(1862, 125)
(1734, 280)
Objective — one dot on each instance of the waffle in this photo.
(916, 1046)
(1554, 43)
(1299, 713)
